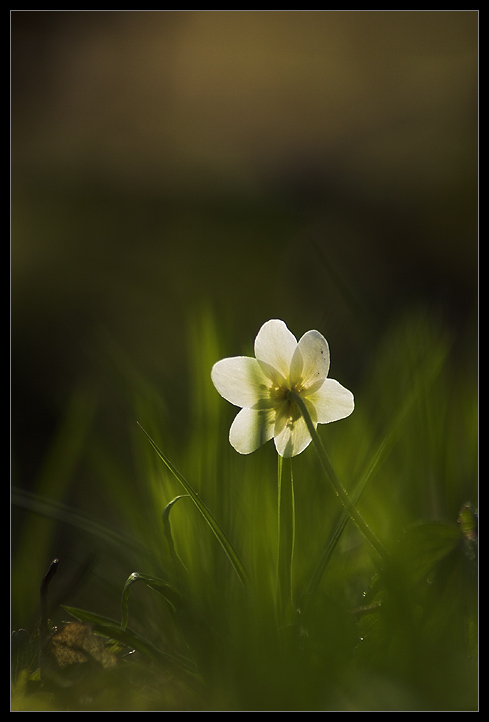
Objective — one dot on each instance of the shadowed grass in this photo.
(359, 636)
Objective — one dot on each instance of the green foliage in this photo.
(363, 633)
(205, 512)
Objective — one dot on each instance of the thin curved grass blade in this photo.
(58, 511)
(110, 629)
(205, 512)
(161, 586)
(434, 368)
(165, 516)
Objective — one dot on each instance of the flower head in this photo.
(264, 387)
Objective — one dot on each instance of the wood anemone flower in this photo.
(265, 387)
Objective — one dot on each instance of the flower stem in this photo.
(285, 536)
(339, 489)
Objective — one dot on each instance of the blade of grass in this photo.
(339, 489)
(56, 475)
(205, 512)
(59, 511)
(177, 562)
(383, 450)
(161, 586)
(110, 629)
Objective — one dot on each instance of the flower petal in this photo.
(331, 401)
(310, 362)
(240, 381)
(292, 437)
(250, 429)
(274, 347)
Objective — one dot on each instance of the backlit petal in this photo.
(331, 402)
(240, 381)
(290, 434)
(310, 363)
(275, 346)
(291, 438)
(250, 429)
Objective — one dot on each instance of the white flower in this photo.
(262, 387)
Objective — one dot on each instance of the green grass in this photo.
(190, 557)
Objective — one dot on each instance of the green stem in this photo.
(285, 536)
(280, 466)
(340, 491)
(292, 508)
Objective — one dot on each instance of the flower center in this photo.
(283, 398)
(282, 393)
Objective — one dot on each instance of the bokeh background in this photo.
(167, 167)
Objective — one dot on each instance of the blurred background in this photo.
(319, 166)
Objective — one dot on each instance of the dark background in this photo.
(319, 167)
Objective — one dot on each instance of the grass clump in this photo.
(215, 605)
